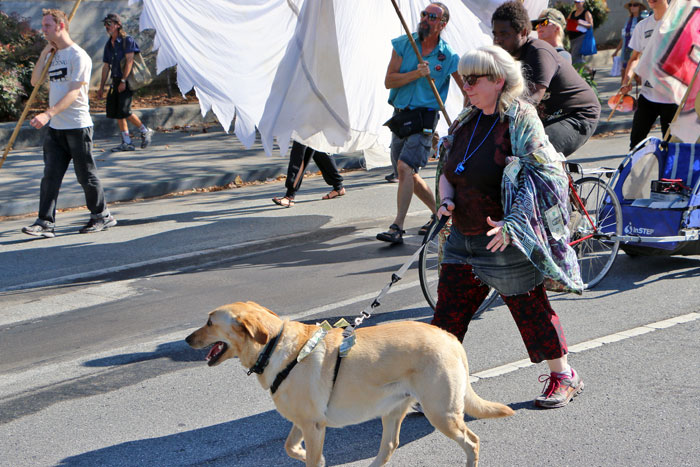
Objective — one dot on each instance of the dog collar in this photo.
(264, 357)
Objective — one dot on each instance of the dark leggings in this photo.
(298, 161)
(460, 293)
(645, 117)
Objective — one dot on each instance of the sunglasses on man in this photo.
(472, 79)
(430, 16)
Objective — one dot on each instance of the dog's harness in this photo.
(264, 358)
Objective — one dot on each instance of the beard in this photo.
(423, 31)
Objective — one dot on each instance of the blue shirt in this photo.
(443, 62)
(113, 54)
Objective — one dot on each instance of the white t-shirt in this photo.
(70, 65)
(641, 35)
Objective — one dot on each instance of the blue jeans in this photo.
(60, 146)
(510, 272)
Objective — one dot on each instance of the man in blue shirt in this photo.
(118, 105)
(411, 90)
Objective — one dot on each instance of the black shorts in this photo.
(119, 103)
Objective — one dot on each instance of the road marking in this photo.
(588, 345)
(57, 304)
(17, 383)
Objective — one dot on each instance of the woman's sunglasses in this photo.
(542, 24)
(430, 16)
(472, 79)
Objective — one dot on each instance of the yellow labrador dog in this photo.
(390, 367)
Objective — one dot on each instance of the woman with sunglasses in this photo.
(637, 13)
(504, 186)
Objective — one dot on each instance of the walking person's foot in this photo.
(146, 137)
(394, 235)
(560, 389)
(39, 230)
(123, 147)
(99, 224)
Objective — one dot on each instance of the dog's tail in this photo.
(477, 407)
(480, 408)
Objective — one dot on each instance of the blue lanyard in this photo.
(460, 167)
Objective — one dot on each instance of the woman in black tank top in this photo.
(577, 23)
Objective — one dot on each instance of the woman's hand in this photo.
(446, 208)
(500, 241)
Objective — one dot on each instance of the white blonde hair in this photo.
(495, 62)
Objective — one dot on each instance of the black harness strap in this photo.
(337, 367)
(282, 375)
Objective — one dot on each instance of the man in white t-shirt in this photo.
(69, 136)
(651, 104)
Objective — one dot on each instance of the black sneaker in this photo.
(123, 147)
(39, 230)
(98, 225)
(146, 137)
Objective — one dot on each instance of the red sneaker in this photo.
(560, 390)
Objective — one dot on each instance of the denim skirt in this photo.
(510, 272)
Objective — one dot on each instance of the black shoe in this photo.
(426, 228)
(393, 235)
(392, 178)
(98, 225)
(39, 230)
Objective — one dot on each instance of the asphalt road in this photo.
(94, 370)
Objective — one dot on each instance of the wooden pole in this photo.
(420, 60)
(667, 136)
(32, 96)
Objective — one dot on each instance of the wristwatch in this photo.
(123, 80)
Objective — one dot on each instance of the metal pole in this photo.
(420, 60)
(8, 148)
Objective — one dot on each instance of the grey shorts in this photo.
(413, 150)
(510, 272)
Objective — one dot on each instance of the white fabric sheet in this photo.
(309, 70)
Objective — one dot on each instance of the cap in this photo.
(552, 15)
(112, 17)
(578, 1)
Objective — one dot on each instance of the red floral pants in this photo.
(460, 293)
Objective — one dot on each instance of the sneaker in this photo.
(123, 147)
(98, 225)
(146, 137)
(391, 178)
(560, 390)
(39, 230)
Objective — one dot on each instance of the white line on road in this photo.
(14, 384)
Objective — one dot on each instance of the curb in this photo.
(165, 117)
(163, 187)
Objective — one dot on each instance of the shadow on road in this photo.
(255, 440)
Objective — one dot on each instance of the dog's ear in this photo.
(253, 327)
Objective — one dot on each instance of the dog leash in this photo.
(349, 331)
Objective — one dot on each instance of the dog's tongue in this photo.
(215, 350)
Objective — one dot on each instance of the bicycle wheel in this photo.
(429, 269)
(597, 216)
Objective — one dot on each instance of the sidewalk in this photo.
(179, 160)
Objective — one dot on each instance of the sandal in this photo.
(395, 237)
(285, 201)
(335, 193)
(426, 228)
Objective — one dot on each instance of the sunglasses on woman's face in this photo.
(430, 16)
(542, 24)
(472, 79)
